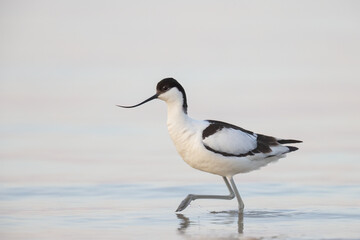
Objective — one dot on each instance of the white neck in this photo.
(180, 127)
(176, 115)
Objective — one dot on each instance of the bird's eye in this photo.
(165, 88)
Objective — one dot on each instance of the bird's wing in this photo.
(231, 140)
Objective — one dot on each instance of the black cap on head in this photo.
(168, 83)
(162, 87)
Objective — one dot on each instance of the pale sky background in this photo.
(285, 68)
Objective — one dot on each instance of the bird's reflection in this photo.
(184, 222)
(225, 217)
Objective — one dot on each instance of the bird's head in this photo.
(168, 90)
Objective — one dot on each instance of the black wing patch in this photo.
(218, 125)
(285, 141)
(263, 142)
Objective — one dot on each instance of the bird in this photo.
(214, 146)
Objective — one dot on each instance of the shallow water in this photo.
(146, 211)
(305, 196)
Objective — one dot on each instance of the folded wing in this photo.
(230, 140)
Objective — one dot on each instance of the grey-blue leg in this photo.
(192, 197)
(238, 197)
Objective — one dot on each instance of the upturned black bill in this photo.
(147, 100)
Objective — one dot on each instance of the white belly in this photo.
(188, 142)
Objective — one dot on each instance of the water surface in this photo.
(147, 211)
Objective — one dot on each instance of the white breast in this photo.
(186, 136)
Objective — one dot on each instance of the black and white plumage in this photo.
(214, 146)
(224, 138)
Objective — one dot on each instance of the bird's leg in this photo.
(240, 201)
(192, 197)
